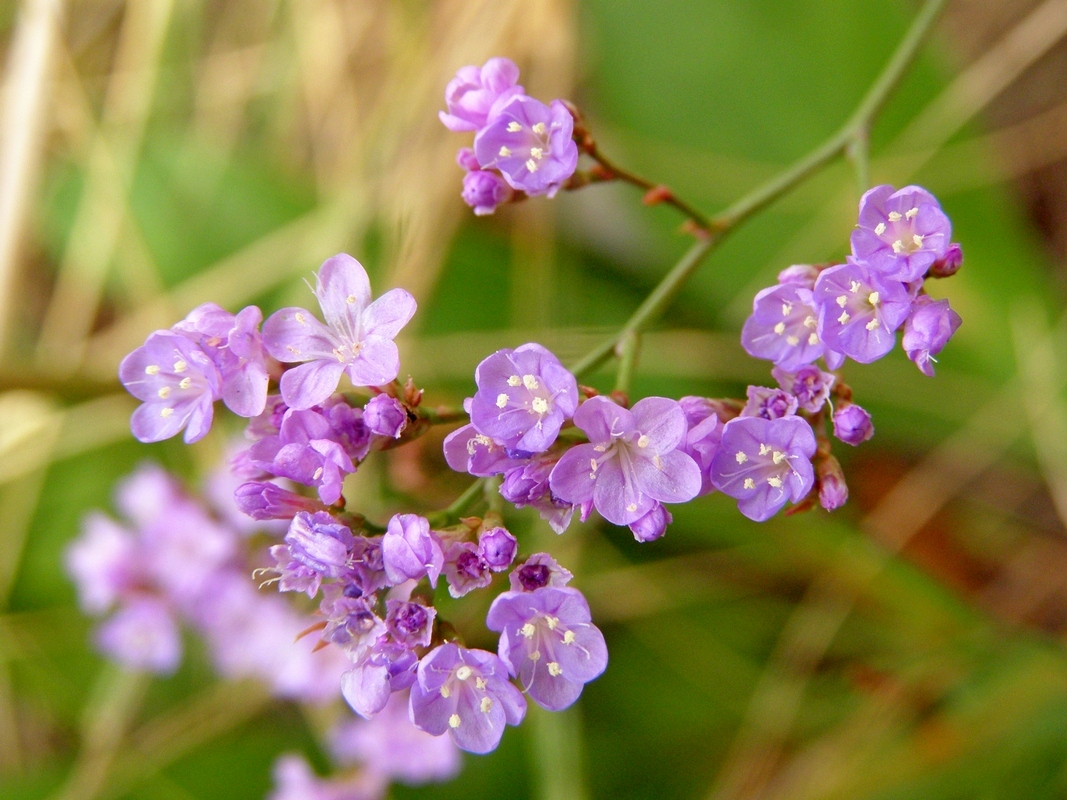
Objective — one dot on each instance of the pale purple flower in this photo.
(652, 525)
(347, 427)
(234, 343)
(530, 143)
(380, 670)
(548, 641)
(465, 569)
(833, 491)
(321, 543)
(768, 403)
(147, 494)
(931, 324)
(902, 233)
(800, 275)
(524, 396)
(385, 416)
(632, 460)
(809, 385)
(783, 327)
(763, 463)
(949, 264)
(466, 694)
(305, 450)
(368, 565)
(410, 550)
(701, 440)
(184, 549)
(483, 191)
(104, 563)
(262, 500)
(410, 624)
(390, 746)
(852, 424)
(860, 310)
(142, 635)
(471, 95)
(467, 160)
(269, 422)
(177, 384)
(357, 338)
(295, 780)
(528, 485)
(466, 450)
(350, 621)
(498, 548)
(292, 575)
(538, 571)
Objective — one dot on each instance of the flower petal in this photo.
(310, 384)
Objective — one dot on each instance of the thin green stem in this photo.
(464, 503)
(442, 415)
(765, 194)
(859, 154)
(627, 350)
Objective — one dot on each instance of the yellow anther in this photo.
(530, 382)
(350, 299)
(777, 457)
(787, 309)
(779, 328)
(185, 383)
(568, 637)
(894, 216)
(643, 440)
(632, 507)
(741, 457)
(481, 683)
(918, 239)
(853, 286)
(749, 483)
(844, 318)
(152, 369)
(872, 325)
(879, 229)
(505, 152)
(446, 692)
(811, 322)
(539, 128)
(164, 393)
(514, 127)
(539, 405)
(514, 380)
(898, 246)
(873, 298)
(528, 630)
(317, 474)
(501, 400)
(180, 366)
(813, 339)
(842, 300)
(775, 482)
(554, 669)
(911, 212)
(792, 341)
(453, 721)
(764, 449)
(531, 165)
(485, 705)
(166, 412)
(537, 152)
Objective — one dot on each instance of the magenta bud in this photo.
(497, 548)
(385, 416)
(652, 525)
(852, 424)
(950, 264)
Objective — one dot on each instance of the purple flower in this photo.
(530, 143)
(763, 463)
(860, 310)
(385, 416)
(410, 550)
(305, 451)
(295, 780)
(142, 635)
(783, 327)
(497, 548)
(466, 450)
(809, 385)
(410, 624)
(177, 384)
(390, 746)
(381, 669)
(347, 428)
(931, 324)
(701, 440)
(652, 525)
(103, 562)
(472, 93)
(263, 500)
(800, 275)
(465, 569)
(184, 550)
(528, 485)
(368, 563)
(350, 621)
(524, 395)
(357, 338)
(293, 575)
(833, 491)
(949, 264)
(900, 234)
(466, 693)
(233, 342)
(632, 461)
(548, 641)
(538, 571)
(852, 424)
(321, 543)
(484, 191)
(769, 403)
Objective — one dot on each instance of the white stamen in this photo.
(539, 405)
(911, 212)
(527, 630)
(813, 339)
(180, 366)
(898, 246)
(185, 383)
(530, 382)
(453, 721)
(446, 692)
(779, 328)
(568, 637)
(632, 507)
(811, 322)
(164, 393)
(879, 229)
(551, 622)
(775, 482)
(844, 318)
(853, 286)
(166, 412)
(501, 400)
(643, 440)
(842, 300)
(485, 705)
(531, 165)
(792, 341)
(749, 483)
(537, 152)
(317, 475)
(514, 127)
(872, 325)
(777, 457)
(351, 299)
(918, 240)
(764, 449)
(464, 672)
(787, 309)
(741, 457)
(874, 298)
(539, 128)
(554, 669)
(894, 216)
(505, 152)
(152, 369)
(481, 683)
(514, 380)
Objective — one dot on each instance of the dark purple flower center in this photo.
(470, 564)
(410, 619)
(533, 576)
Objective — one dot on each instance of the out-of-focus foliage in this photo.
(909, 646)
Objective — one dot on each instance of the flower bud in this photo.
(833, 491)
(497, 548)
(852, 424)
(950, 264)
(799, 275)
(385, 416)
(263, 501)
(484, 191)
(411, 550)
(652, 525)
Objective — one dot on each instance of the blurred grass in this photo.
(909, 646)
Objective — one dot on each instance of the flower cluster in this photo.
(521, 146)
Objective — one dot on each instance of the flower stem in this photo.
(462, 504)
(627, 350)
(762, 196)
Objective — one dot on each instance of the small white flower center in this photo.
(464, 672)
(539, 405)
